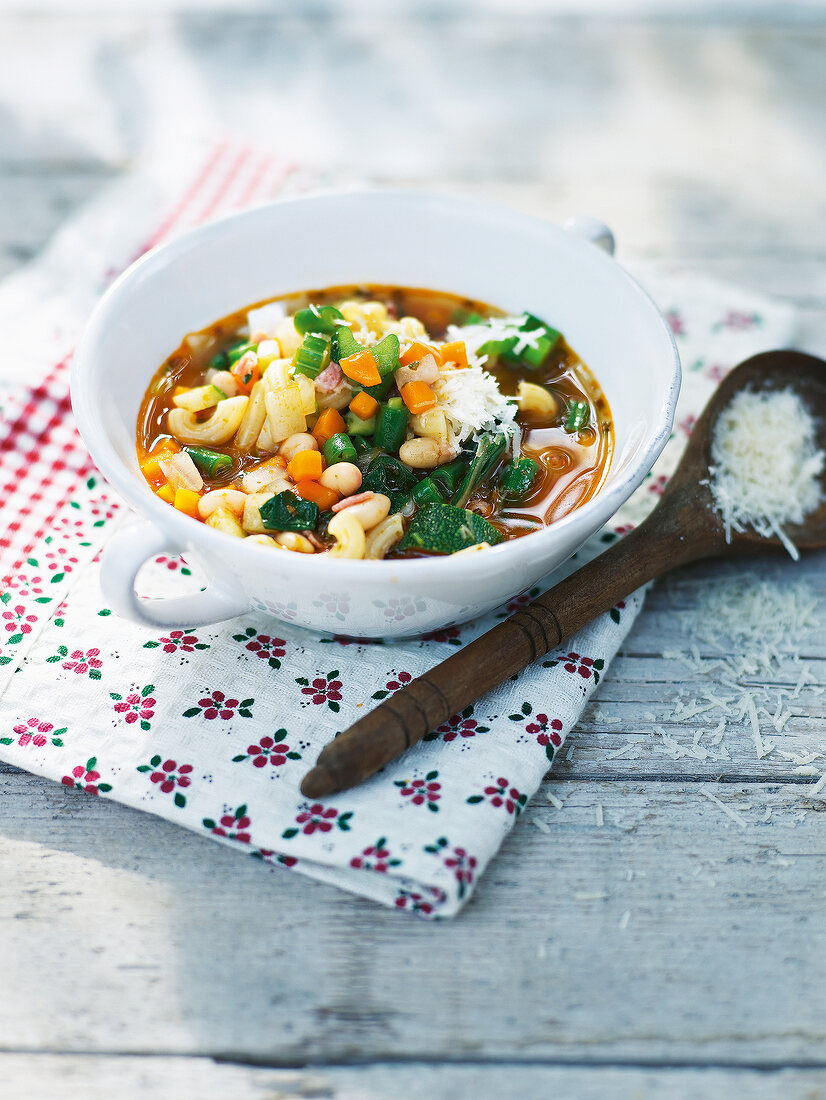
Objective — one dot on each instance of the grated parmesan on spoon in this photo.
(766, 466)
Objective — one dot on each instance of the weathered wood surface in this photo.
(87, 1077)
(671, 934)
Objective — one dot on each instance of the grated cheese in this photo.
(766, 467)
(472, 402)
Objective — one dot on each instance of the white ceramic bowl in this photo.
(414, 239)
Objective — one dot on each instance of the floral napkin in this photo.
(215, 727)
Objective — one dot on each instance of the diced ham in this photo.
(357, 498)
(330, 379)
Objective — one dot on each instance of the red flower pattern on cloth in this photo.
(84, 777)
(323, 690)
(17, 621)
(502, 794)
(273, 749)
(738, 321)
(83, 662)
(217, 705)
(457, 860)
(657, 486)
(263, 646)
(177, 641)
(137, 706)
(168, 775)
(548, 731)
(400, 680)
(452, 635)
(518, 601)
(421, 792)
(415, 902)
(234, 825)
(458, 725)
(59, 562)
(173, 564)
(24, 586)
(586, 667)
(675, 322)
(316, 817)
(35, 732)
(376, 857)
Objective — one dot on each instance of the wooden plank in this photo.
(95, 1077)
(671, 934)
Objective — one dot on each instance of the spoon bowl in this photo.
(684, 527)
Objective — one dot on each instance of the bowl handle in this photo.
(593, 230)
(123, 557)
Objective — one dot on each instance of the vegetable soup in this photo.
(372, 422)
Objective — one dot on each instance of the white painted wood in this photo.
(89, 1077)
(671, 933)
(123, 933)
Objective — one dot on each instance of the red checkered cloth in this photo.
(42, 457)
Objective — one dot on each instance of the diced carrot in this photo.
(363, 405)
(306, 466)
(417, 351)
(178, 390)
(418, 396)
(362, 368)
(330, 423)
(187, 501)
(166, 492)
(455, 353)
(246, 371)
(319, 494)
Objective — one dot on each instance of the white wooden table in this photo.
(668, 953)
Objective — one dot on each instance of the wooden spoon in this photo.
(682, 528)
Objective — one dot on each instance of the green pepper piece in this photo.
(313, 356)
(518, 478)
(357, 426)
(318, 319)
(535, 356)
(344, 344)
(444, 529)
(391, 428)
(389, 476)
(209, 462)
(234, 354)
(489, 450)
(428, 492)
(386, 354)
(219, 361)
(447, 477)
(362, 446)
(287, 512)
(339, 448)
(577, 416)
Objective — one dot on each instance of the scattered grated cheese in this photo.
(540, 824)
(554, 801)
(624, 919)
(727, 810)
(599, 816)
(765, 466)
(472, 402)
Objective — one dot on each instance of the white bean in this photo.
(349, 535)
(369, 512)
(344, 477)
(231, 499)
(263, 540)
(301, 441)
(421, 454)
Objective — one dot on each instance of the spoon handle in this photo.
(663, 542)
